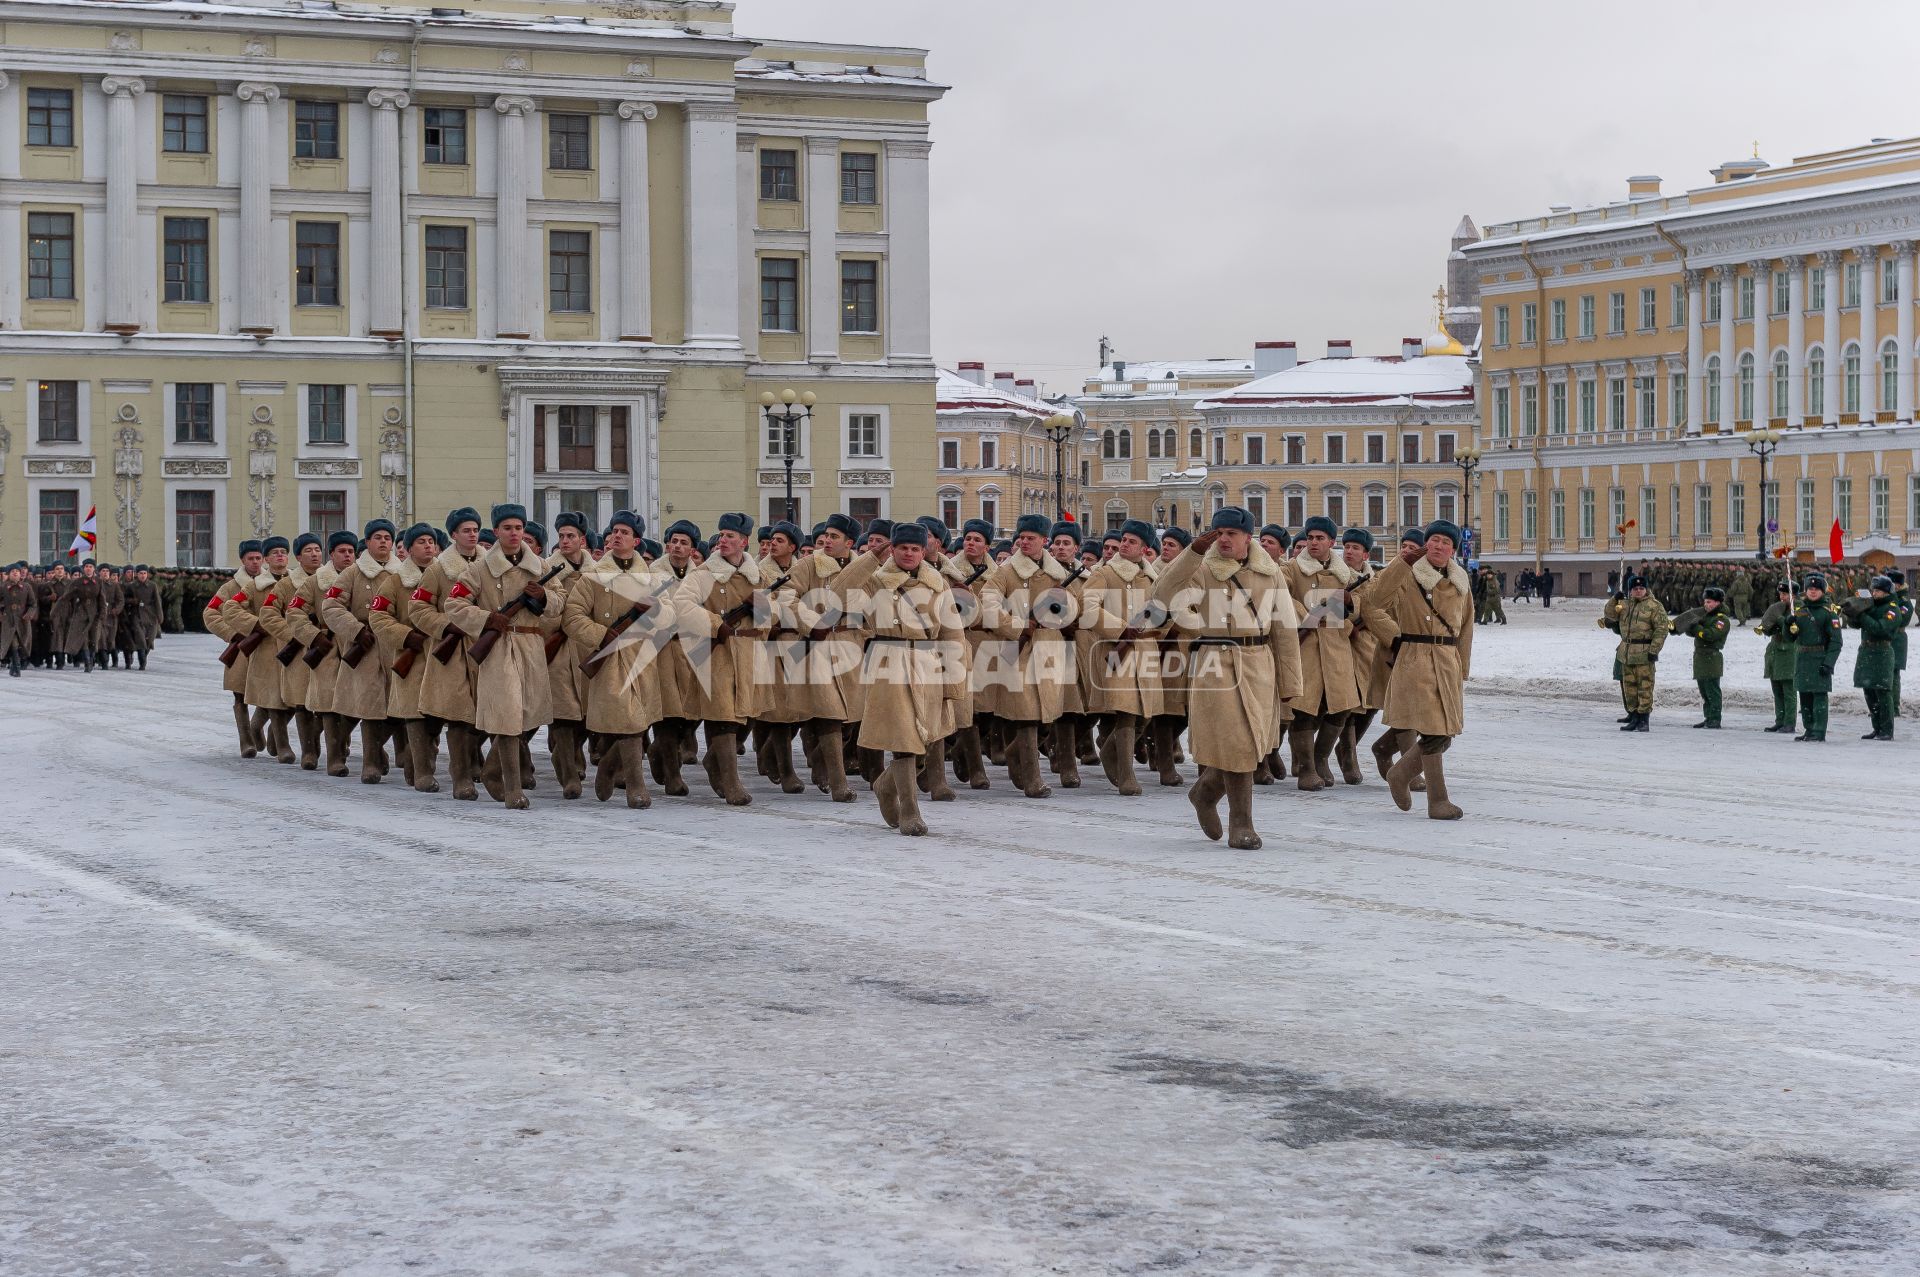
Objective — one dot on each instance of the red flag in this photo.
(1836, 543)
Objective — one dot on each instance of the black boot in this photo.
(13, 663)
(1631, 723)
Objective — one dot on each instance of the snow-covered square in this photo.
(1648, 1009)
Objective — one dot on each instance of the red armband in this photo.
(239, 596)
(270, 600)
(379, 603)
(213, 604)
(334, 592)
(423, 595)
(298, 602)
(460, 591)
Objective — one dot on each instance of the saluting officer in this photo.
(1819, 634)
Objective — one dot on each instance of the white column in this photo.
(1762, 340)
(746, 185)
(1903, 262)
(1796, 340)
(385, 319)
(823, 252)
(603, 440)
(636, 227)
(1830, 338)
(1869, 333)
(1729, 349)
(1696, 355)
(123, 192)
(257, 258)
(713, 245)
(909, 265)
(512, 178)
(550, 440)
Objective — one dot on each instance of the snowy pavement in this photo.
(1649, 1009)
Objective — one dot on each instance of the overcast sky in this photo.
(1188, 179)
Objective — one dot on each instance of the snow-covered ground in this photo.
(1649, 1009)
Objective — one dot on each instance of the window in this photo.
(859, 297)
(1410, 449)
(864, 510)
(1843, 502)
(1616, 403)
(1770, 502)
(574, 431)
(1803, 499)
(1123, 443)
(1529, 322)
(1816, 288)
(1816, 382)
(1745, 305)
(193, 528)
(863, 434)
(1256, 449)
(1296, 508)
(1744, 403)
(950, 510)
(569, 142)
(1502, 412)
(1586, 315)
(1649, 513)
(1617, 509)
(859, 178)
(1443, 506)
(1617, 312)
(1529, 410)
(1256, 503)
(49, 117)
(50, 255)
(1677, 303)
(1677, 396)
(1713, 301)
(1410, 507)
(59, 413)
(445, 135)
(316, 265)
(1193, 443)
(326, 414)
(183, 124)
(990, 510)
(1673, 529)
(1376, 508)
(1889, 281)
(1376, 449)
(326, 512)
(1502, 517)
(446, 267)
(1713, 388)
(1153, 444)
(1736, 510)
(1336, 446)
(780, 294)
(1889, 375)
(1702, 509)
(988, 454)
(1879, 503)
(1643, 388)
(1109, 445)
(186, 258)
(1649, 308)
(1782, 383)
(1589, 406)
(193, 412)
(1529, 516)
(1557, 407)
(1557, 514)
(779, 175)
(316, 130)
(1500, 329)
(1336, 506)
(1588, 514)
(570, 271)
(1782, 292)
(59, 522)
(1557, 325)
(1850, 379)
(949, 454)
(1850, 294)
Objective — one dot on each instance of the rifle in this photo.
(744, 609)
(232, 654)
(357, 650)
(1074, 573)
(318, 649)
(484, 645)
(403, 663)
(555, 641)
(591, 666)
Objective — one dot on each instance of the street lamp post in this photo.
(1060, 428)
(1469, 462)
(1763, 443)
(788, 420)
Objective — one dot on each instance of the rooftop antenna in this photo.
(1106, 351)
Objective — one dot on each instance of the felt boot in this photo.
(1325, 739)
(628, 756)
(370, 750)
(935, 773)
(257, 726)
(565, 743)
(723, 764)
(247, 747)
(339, 734)
(1438, 808)
(491, 772)
(1240, 832)
(833, 764)
(886, 792)
(1116, 754)
(1300, 742)
(421, 749)
(309, 729)
(780, 742)
(610, 772)
(1347, 753)
(462, 762)
(507, 750)
(1083, 739)
(667, 755)
(277, 736)
(1023, 761)
(1166, 732)
(1205, 797)
(1066, 751)
(1400, 775)
(968, 761)
(906, 795)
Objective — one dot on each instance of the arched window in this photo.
(1106, 444)
(1782, 383)
(1713, 387)
(1745, 402)
(1850, 378)
(1126, 443)
(1195, 448)
(1889, 375)
(1153, 445)
(1254, 499)
(1816, 382)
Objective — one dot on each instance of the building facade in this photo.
(998, 458)
(1147, 441)
(293, 265)
(1628, 352)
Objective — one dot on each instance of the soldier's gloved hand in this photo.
(536, 592)
(722, 632)
(415, 641)
(496, 622)
(1653, 658)
(818, 634)
(1826, 671)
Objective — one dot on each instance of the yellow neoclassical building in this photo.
(296, 263)
(1004, 452)
(1630, 351)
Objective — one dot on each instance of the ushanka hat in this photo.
(465, 514)
(628, 519)
(570, 519)
(684, 528)
(379, 525)
(245, 548)
(1321, 523)
(909, 534)
(1357, 536)
(981, 526)
(1065, 528)
(343, 537)
(419, 530)
(509, 510)
(537, 533)
(845, 524)
(736, 522)
(1443, 528)
(306, 539)
(1179, 534)
(880, 528)
(1231, 518)
(1138, 528)
(1035, 523)
(271, 544)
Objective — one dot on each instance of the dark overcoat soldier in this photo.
(1874, 668)
(1779, 661)
(1819, 634)
(19, 609)
(1708, 626)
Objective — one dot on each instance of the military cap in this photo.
(909, 534)
(1884, 584)
(1715, 593)
(379, 525)
(1896, 576)
(880, 528)
(628, 519)
(1445, 528)
(652, 549)
(1001, 547)
(1179, 534)
(1232, 518)
(343, 537)
(245, 548)
(1813, 581)
(1278, 533)
(934, 524)
(1065, 528)
(1357, 536)
(705, 548)
(1416, 535)
(1111, 534)
(509, 510)
(1321, 523)
(765, 533)
(736, 522)
(1635, 582)
(537, 533)
(593, 539)
(418, 530)
(306, 539)
(487, 537)
(791, 531)
(271, 544)
(570, 519)
(684, 528)
(845, 524)
(1038, 523)
(465, 514)
(1784, 587)
(981, 526)
(1138, 528)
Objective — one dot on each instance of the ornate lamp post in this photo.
(788, 420)
(1763, 443)
(1060, 428)
(1468, 459)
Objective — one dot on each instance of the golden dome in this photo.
(1442, 343)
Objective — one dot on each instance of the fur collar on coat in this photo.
(1429, 576)
(1310, 567)
(1257, 560)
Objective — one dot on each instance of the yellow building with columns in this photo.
(298, 264)
(1629, 352)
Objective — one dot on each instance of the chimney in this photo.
(1412, 348)
(1644, 187)
(1024, 388)
(1119, 370)
(1003, 382)
(975, 373)
(1339, 348)
(1270, 357)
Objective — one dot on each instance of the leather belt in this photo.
(904, 642)
(1231, 640)
(525, 629)
(1437, 640)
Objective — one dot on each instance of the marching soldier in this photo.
(567, 734)
(674, 740)
(1063, 751)
(1322, 585)
(1874, 669)
(1030, 664)
(1166, 728)
(322, 654)
(1740, 596)
(967, 573)
(139, 615)
(1119, 633)
(1643, 628)
(250, 581)
(49, 591)
(1227, 593)
(19, 609)
(446, 689)
(82, 616)
(817, 599)
(1779, 661)
(1369, 661)
(1819, 634)
(780, 666)
(240, 619)
(360, 680)
(716, 607)
(296, 592)
(403, 654)
(1708, 626)
(107, 625)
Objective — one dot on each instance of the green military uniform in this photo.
(1643, 628)
(1779, 661)
(1904, 600)
(1610, 620)
(1708, 627)
(1819, 634)
(1874, 670)
(1740, 597)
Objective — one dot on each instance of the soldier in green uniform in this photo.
(1643, 628)
(1708, 626)
(1904, 600)
(1610, 613)
(1779, 659)
(1819, 634)
(1740, 596)
(1874, 673)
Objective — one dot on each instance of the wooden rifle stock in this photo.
(232, 653)
(288, 652)
(591, 666)
(555, 641)
(357, 650)
(318, 649)
(484, 645)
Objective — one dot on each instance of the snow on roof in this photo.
(757, 69)
(346, 11)
(1176, 370)
(1357, 380)
(955, 394)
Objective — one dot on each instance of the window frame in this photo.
(564, 129)
(569, 271)
(176, 107)
(57, 121)
(64, 398)
(452, 135)
(777, 177)
(314, 277)
(187, 413)
(453, 264)
(782, 294)
(193, 286)
(859, 298)
(320, 416)
(859, 186)
(44, 248)
(318, 145)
